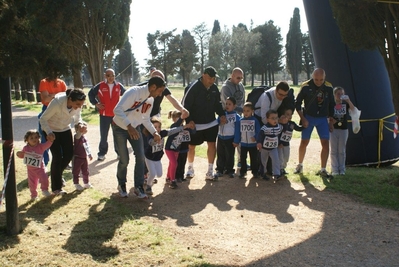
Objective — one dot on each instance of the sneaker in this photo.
(46, 193)
(342, 173)
(60, 192)
(324, 174)
(241, 176)
(179, 180)
(190, 172)
(139, 192)
(218, 174)
(231, 175)
(148, 190)
(34, 199)
(101, 158)
(173, 185)
(122, 190)
(69, 167)
(335, 173)
(155, 181)
(283, 172)
(87, 186)
(298, 169)
(209, 176)
(265, 177)
(79, 187)
(167, 180)
(277, 177)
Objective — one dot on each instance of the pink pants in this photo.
(35, 176)
(172, 156)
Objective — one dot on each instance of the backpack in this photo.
(255, 93)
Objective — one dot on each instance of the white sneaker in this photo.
(140, 193)
(210, 176)
(87, 186)
(190, 172)
(46, 193)
(298, 169)
(79, 187)
(122, 191)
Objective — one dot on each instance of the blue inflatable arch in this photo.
(365, 79)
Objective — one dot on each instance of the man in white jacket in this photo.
(132, 110)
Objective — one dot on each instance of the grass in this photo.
(92, 229)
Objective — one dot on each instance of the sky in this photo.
(150, 16)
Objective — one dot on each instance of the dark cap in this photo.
(211, 71)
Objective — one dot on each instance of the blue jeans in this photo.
(105, 123)
(121, 137)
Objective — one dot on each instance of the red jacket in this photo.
(100, 94)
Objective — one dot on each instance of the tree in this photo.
(201, 34)
(220, 52)
(188, 55)
(372, 24)
(307, 55)
(293, 47)
(269, 60)
(216, 27)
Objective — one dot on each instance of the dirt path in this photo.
(237, 222)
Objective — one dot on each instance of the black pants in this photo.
(181, 165)
(225, 155)
(253, 156)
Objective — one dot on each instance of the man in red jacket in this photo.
(105, 95)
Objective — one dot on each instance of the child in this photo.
(267, 143)
(154, 151)
(81, 151)
(285, 138)
(249, 129)
(227, 132)
(339, 136)
(174, 142)
(32, 153)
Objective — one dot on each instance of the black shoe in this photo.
(265, 177)
(173, 185)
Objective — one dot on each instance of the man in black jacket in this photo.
(202, 100)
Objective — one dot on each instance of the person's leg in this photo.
(76, 167)
(191, 153)
(62, 151)
(85, 171)
(323, 131)
(120, 139)
(276, 162)
(229, 164)
(220, 159)
(181, 165)
(334, 147)
(67, 148)
(46, 157)
(253, 156)
(43, 180)
(172, 156)
(138, 150)
(211, 152)
(104, 129)
(302, 150)
(32, 183)
(342, 150)
(151, 171)
(243, 157)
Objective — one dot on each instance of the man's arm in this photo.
(93, 94)
(265, 106)
(177, 105)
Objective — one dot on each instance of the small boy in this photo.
(249, 129)
(267, 143)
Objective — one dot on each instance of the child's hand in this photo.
(50, 137)
(90, 157)
(235, 145)
(259, 146)
(253, 139)
(20, 154)
(280, 145)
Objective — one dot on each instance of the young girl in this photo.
(249, 129)
(224, 147)
(81, 151)
(32, 153)
(154, 151)
(339, 136)
(285, 138)
(267, 143)
(173, 144)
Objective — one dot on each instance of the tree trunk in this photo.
(77, 77)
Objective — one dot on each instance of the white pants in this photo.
(154, 169)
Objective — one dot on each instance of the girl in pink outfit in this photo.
(32, 154)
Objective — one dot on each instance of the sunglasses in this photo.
(110, 75)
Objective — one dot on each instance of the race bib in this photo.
(157, 147)
(340, 110)
(184, 136)
(286, 136)
(32, 159)
(247, 126)
(231, 118)
(87, 148)
(270, 142)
